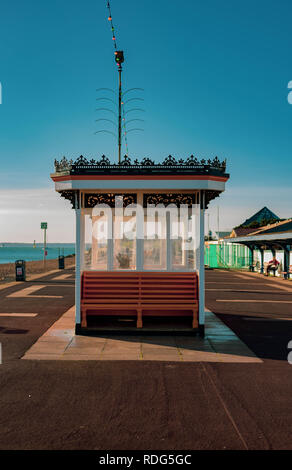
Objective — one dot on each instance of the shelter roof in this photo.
(260, 216)
(147, 166)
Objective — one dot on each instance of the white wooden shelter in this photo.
(88, 184)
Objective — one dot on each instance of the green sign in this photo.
(44, 225)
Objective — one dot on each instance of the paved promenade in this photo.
(162, 400)
(220, 344)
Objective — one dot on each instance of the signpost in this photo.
(44, 226)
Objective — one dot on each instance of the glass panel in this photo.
(124, 249)
(96, 244)
(154, 245)
(99, 255)
(155, 254)
(178, 258)
(182, 259)
(104, 250)
(182, 255)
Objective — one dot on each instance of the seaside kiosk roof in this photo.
(208, 175)
(125, 273)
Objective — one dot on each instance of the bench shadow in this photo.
(159, 331)
(167, 333)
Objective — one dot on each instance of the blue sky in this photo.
(214, 75)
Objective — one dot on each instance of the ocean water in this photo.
(10, 252)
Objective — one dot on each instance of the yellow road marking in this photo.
(29, 290)
(18, 314)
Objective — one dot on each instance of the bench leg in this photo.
(195, 317)
(139, 318)
(83, 318)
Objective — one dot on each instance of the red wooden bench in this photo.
(141, 293)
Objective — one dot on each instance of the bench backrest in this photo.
(169, 287)
(108, 287)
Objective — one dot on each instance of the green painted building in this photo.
(221, 254)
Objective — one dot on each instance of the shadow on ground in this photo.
(266, 335)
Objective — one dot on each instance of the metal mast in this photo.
(119, 57)
(119, 60)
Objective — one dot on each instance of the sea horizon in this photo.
(12, 251)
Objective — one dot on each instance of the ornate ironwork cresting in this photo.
(146, 165)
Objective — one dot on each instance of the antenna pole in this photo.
(119, 58)
(120, 111)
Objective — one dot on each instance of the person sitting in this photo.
(272, 266)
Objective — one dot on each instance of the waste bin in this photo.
(61, 261)
(20, 270)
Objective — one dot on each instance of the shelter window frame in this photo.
(166, 256)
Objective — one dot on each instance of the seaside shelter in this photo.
(139, 236)
(268, 241)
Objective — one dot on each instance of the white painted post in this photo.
(45, 247)
(82, 240)
(196, 235)
(110, 240)
(139, 233)
(169, 266)
(201, 263)
(77, 266)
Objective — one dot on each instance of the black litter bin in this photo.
(20, 270)
(61, 261)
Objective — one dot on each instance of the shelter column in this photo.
(251, 267)
(262, 260)
(287, 252)
(201, 265)
(286, 261)
(140, 232)
(79, 255)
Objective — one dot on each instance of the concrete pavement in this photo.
(219, 345)
(149, 404)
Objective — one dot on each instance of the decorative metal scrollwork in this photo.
(104, 161)
(209, 195)
(126, 161)
(147, 162)
(170, 198)
(70, 196)
(81, 161)
(169, 161)
(111, 199)
(192, 161)
(63, 164)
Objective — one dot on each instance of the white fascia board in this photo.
(263, 237)
(139, 184)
